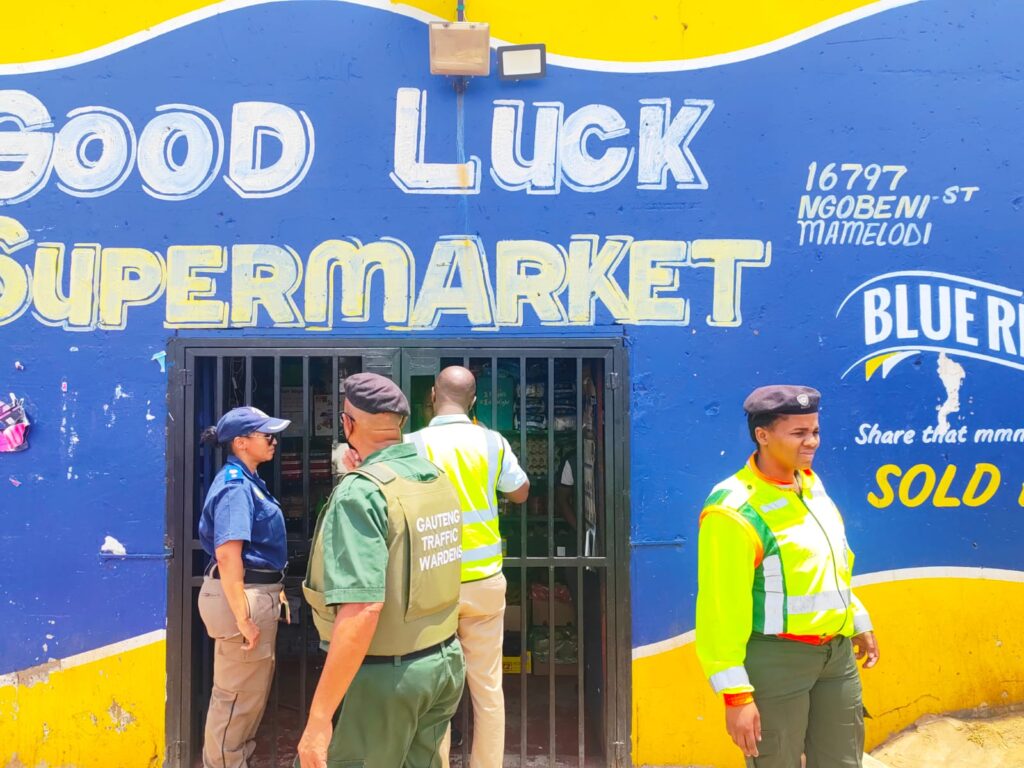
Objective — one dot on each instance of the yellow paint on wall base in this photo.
(606, 30)
(947, 644)
(99, 714)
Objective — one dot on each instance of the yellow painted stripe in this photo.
(596, 30)
(943, 648)
(50, 29)
(98, 709)
(864, 579)
(654, 30)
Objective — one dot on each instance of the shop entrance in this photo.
(562, 409)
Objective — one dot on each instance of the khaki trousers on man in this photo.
(241, 679)
(481, 632)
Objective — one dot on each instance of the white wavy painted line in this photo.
(664, 646)
(938, 572)
(927, 273)
(570, 62)
(954, 351)
(878, 577)
(122, 646)
(96, 654)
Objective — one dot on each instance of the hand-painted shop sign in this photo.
(268, 149)
(909, 312)
(180, 151)
(562, 283)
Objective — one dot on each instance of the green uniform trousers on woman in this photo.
(809, 697)
(395, 715)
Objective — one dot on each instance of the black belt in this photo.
(396, 660)
(253, 576)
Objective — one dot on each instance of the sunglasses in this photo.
(271, 439)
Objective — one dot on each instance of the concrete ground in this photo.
(957, 742)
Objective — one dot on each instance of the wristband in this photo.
(739, 699)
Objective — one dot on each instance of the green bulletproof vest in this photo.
(421, 593)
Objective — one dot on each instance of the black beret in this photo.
(374, 393)
(782, 400)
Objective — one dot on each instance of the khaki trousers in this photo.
(481, 632)
(241, 679)
(809, 697)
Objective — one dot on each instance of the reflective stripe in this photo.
(774, 620)
(729, 678)
(479, 516)
(738, 492)
(461, 450)
(480, 562)
(862, 623)
(485, 552)
(823, 601)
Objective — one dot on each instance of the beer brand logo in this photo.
(911, 312)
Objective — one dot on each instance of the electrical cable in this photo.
(835, 569)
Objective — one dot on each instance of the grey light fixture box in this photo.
(460, 48)
(522, 62)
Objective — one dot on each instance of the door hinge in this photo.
(612, 380)
(177, 748)
(184, 377)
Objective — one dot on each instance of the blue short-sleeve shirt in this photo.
(239, 507)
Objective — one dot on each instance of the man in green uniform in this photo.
(777, 622)
(383, 582)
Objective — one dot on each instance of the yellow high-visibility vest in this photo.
(774, 561)
(471, 455)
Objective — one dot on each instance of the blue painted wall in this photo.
(933, 87)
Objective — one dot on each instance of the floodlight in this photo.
(522, 62)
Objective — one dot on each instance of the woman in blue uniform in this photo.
(242, 530)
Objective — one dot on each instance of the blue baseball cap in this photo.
(245, 421)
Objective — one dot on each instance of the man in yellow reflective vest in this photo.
(778, 627)
(480, 464)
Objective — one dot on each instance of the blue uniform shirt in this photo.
(239, 507)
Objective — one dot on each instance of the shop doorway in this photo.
(562, 409)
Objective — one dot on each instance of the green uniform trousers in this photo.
(809, 697)
(395, 715)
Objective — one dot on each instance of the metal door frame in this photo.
(180, 435)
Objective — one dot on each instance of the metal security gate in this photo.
(562, 410)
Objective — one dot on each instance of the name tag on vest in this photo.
(435, 549)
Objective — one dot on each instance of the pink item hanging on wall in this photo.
(13, 426)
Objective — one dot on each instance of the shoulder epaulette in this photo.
(379, 472)
(233, 474)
